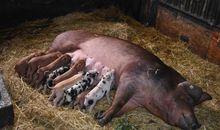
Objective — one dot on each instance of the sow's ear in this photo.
(195, 92)
(205, 96)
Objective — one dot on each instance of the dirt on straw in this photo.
(33, 111)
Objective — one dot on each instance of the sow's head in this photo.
(193, 95)
(181, 107)
(197, 95)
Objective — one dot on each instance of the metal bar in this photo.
(187, 5)
(193, 7)
(198, 2)
(218, 16)
(204, 8)
(200, 7)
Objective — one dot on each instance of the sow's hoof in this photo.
(101, 122)
(6, 108)
(98, 115)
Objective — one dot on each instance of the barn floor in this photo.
(33, 111)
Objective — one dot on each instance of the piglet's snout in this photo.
(188, 122)
(83, 107)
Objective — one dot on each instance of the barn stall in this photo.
(192, 49)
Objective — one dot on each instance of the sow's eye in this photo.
(90, 102)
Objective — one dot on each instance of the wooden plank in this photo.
(178, 27)
(214, 48)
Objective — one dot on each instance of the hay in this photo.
(33, 111)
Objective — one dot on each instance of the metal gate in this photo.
(204, 11)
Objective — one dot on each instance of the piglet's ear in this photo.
(65, 92)
(83, 73)
(205, 96)
(108, 77)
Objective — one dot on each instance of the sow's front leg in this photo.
(124, 93)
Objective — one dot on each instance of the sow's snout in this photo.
(188, 123)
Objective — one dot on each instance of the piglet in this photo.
(83, 84)
(22, 65)
(105, 70)
(98, 66)
(81, 98)
(43, 71)
(38, 62)
(58, 89)
(78, 66)
(102, 89)
(49, 78)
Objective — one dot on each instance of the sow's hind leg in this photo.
(124, 93)
(69, 41)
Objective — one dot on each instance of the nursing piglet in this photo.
(22, 65)
(49, 78)
(102, 89)
(58, 89)
(37, 62)
(78, 66)
(43, 71)
(98, 66)
(81, 97)
(87, 81)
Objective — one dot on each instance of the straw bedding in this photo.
(33, 111)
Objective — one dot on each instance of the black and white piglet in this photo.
(56, 73)
(83, 84)
(103, 88)
(49, 77)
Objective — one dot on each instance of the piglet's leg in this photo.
(123, 94)
(91, 107)
(71, 105)
(52, 96)
(59, 100)
(108, 97)
(41, 87)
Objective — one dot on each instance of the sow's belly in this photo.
(113, 53)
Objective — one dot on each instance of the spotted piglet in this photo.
(58, 90)
(49, 78)
(83, 84)
(102, 89)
